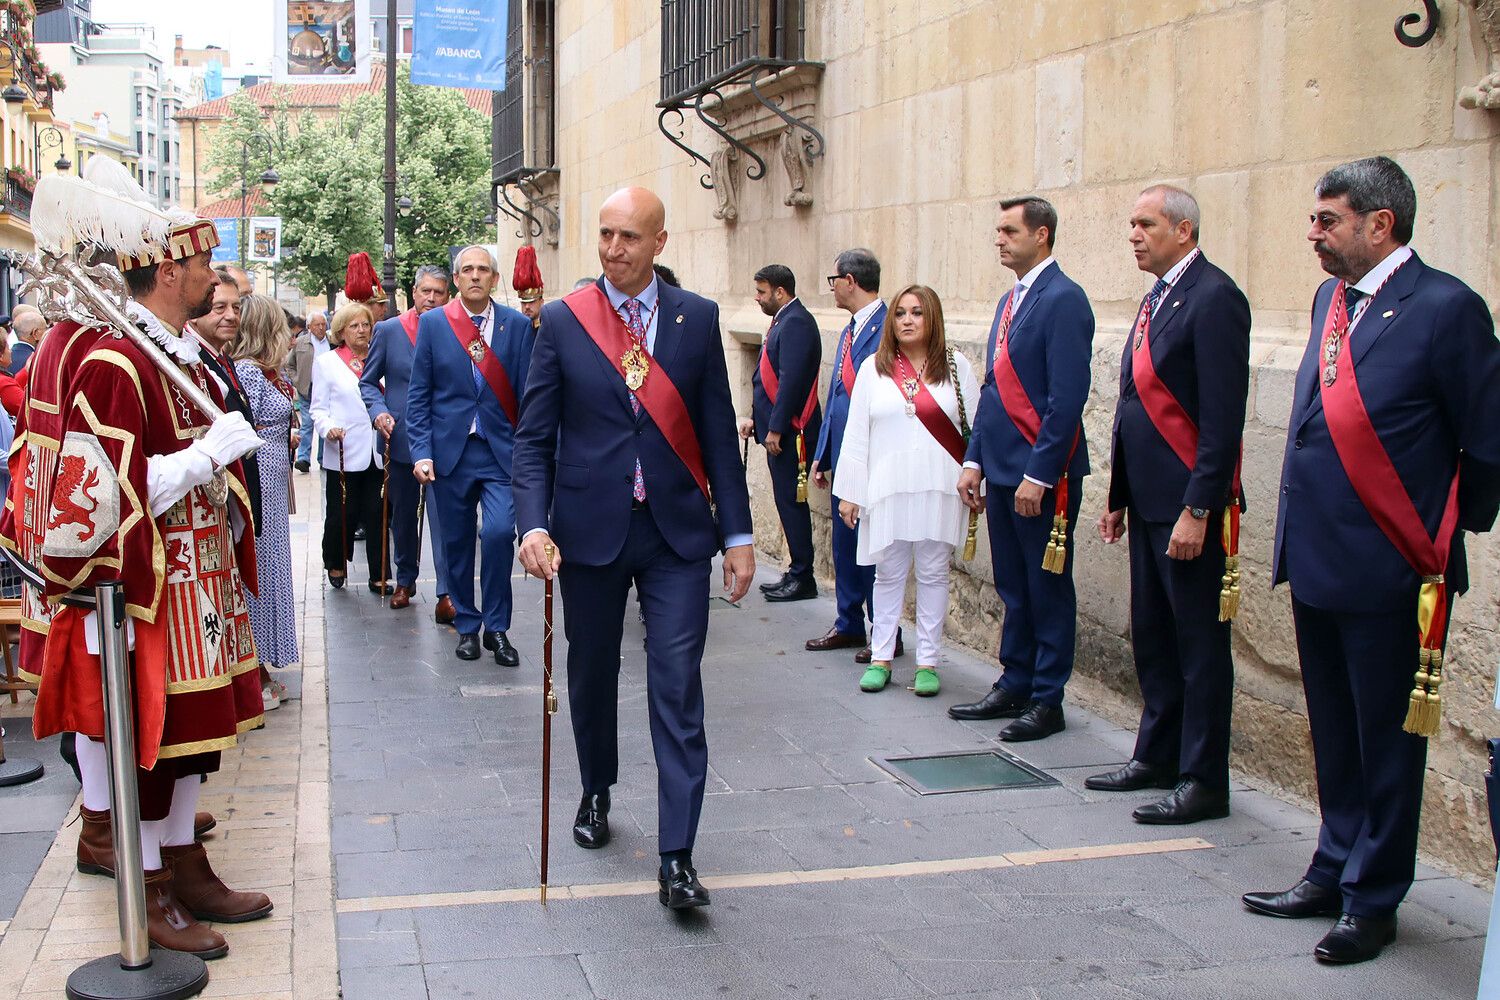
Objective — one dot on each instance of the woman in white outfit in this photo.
(902, 453)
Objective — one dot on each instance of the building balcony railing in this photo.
(17, 199)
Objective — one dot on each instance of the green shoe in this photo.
(876, 677)
(926, 683)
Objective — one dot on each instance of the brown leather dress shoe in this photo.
(202, 823)
(834, 639)
(169, 925)
(203, 895)
(446, 613)
(866, 654)
(96, 844)
(401, 598)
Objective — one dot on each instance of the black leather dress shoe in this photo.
(866, 654)
(793, 590)
(1132, 777)
(1190, 802)
(468, 646)
(1305, 899)
(591, 825)
(997, 703)
(678, 887)
(775, 584)
(1356, 939)
(505, 653)
(834, 639)
(1037, 723)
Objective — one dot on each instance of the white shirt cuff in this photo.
(532, 532)
(971, 465)
(731, 541)
(1045, 486)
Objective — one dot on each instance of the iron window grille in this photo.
(524, 119)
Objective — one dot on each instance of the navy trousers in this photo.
(796, 518)
(673, 595)
(1041, 608)
(853, 584)
(1182, 656)
(477, 484)
(404, 491)
(1357, 671)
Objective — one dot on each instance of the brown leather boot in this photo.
(96, 844)
(202, 823)
(203, 895)
(170, 926)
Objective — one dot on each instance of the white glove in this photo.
(229, 438)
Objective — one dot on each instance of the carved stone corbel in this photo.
(721, 168)
(1485, 94)
(796, 169)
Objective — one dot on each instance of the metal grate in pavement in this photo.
(963, 771)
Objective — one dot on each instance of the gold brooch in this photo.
(636, 366)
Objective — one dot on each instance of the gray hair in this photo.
(435, 271)
(1372, 184)
(1177, 204)
(488, 253)
(861, 265)
(583, 283)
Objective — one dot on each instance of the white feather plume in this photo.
(106, 209)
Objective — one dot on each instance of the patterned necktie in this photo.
(1352, 297)
(838, 373)
(1154, 296)
(478, 375)
(638, 331)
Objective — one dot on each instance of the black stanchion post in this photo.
(16, 770)
(138, 972)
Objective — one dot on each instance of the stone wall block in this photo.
(1220, 56)
(1131, 126)
(999, 135)
(1224, 200)
(1059, 122)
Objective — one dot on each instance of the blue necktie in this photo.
(1155, 295)
(480, 386)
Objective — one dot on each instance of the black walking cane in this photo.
(549, 709)
(343, 512)
(385, 520)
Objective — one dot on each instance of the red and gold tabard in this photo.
(82, 512)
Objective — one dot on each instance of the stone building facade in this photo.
(933, 111)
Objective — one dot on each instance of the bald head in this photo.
(632, 232)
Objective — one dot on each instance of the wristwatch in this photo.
(1198, 513)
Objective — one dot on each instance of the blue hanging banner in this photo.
(228, 250)
(459, 43)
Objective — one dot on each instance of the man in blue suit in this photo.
(1184, 379)
(384, 387)
(786, 419)
(467, 377)
(627, 471)
(1416, 349)
(855, 283)
(1028, 443)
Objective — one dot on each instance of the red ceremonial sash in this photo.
(930, 412)
(489, 363)
(772, 385)
(657, 395)
(346, 355)
(409, 324)
(1181, 434)
(1379, 488)
(846, 360)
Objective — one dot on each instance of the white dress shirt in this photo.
(1374, 278)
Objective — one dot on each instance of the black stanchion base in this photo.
(171, 975)
(19, 771)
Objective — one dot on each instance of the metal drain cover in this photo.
(963, 771)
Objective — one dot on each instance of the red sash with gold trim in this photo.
(409, 324)
(483, 357)
(930, 411)
(657, 395)
(1379, 488)
(1181, 434)
(772, 385)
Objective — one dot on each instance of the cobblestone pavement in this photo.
(400, 798)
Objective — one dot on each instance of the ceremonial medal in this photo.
(909, 390)
(910, 382)
(636, 367)
(476, 350)
(357, 366)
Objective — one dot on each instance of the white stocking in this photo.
(179, 821)
(152, 832)
(93, 768)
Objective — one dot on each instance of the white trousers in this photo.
(892, 564)
(174, 831)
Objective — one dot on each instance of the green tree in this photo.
(238, 156)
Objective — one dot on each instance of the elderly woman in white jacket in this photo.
(351, 453)
(902, 452)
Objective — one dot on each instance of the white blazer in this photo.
(336, 402)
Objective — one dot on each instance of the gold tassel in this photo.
(802, 483)
(1055, 559)
(1425, 710)
(1229, 596)
(971, 542)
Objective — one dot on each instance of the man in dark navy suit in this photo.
(1028, 444)
(627, 471)
(1395, 421)
(855, 284)
(467, 378)
(786, 419)
(384, 386)
(1176, 446)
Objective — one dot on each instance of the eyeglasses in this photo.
(833, 279)
(1327, 220)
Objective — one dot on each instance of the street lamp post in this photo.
(47, 138)
(388, 269)
(268, 180)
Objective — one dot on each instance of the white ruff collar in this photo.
(181, 348)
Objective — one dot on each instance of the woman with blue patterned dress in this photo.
(259, 350)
